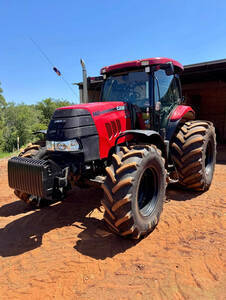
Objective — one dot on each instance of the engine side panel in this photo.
(109, 126)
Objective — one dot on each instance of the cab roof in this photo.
(141, 62)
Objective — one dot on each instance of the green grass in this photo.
(7, 154)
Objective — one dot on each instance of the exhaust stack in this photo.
(85, 88)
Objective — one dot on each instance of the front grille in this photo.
(118, 125)
(67, 124)
(33, 176)
(114, 128)
(109, 130)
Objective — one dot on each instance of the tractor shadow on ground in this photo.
(98, 242)
(176, 193)
(13, 209)
(92, 237)
(221, 154)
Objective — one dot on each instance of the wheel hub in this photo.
(148, 192)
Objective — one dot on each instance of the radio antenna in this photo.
(52, 65)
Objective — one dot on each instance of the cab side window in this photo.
(167, 94)
(177, 88)
(166, 88)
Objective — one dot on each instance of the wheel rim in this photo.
(209, 158)
(148, 192)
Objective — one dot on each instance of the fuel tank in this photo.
(96, 125)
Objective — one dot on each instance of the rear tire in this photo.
(134, 190)
(194, 154)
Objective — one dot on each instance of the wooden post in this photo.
(18, 143)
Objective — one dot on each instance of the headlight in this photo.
(50, 145)
(71, 145)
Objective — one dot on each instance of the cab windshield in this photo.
(131, 87)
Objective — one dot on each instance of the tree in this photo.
(2, 99)
(2, 113)
(47, 108)
(20, 121)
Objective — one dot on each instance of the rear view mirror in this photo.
(169, 68)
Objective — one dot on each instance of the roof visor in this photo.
(142, 62)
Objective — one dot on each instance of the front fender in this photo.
(146, 136)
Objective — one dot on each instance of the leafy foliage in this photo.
(2, 99)
(2, 115)
(21, 120)
(47, 108)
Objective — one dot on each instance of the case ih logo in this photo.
(118, 108)
(122, 107)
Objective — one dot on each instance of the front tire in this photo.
(134, 190)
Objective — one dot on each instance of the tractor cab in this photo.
(151, 87)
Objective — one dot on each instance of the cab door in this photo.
(167, 95)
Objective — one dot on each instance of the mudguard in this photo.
(180, 114)
(146, 136)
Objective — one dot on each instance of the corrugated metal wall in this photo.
(209, 101)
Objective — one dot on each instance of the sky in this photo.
(102, 33)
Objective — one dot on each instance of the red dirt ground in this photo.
(65, 251)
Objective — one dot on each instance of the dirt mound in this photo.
(65, 251)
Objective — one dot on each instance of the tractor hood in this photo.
(98, 108)
(95, 125)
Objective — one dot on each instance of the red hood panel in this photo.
(110, 118)
(95, 106)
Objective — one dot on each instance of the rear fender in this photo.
(180, 114)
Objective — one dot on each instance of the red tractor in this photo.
(139, 138)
